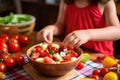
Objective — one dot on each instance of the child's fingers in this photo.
(50, 38)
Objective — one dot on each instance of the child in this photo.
(92, 24)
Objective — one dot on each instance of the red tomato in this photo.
(68, 57)
(13, 40)
(74, 54)
(5, 36)
(118, 73)
(103, 71)
(9, 62)
(34, 55)
(42, 53)
(80, 65)
(3, 49)
(2, 67)
(96, 72)
(49, 55)
(38, 49)
(24, 40)
(19, 59)
(4, 55)
(49, 60)
(3, 45)
(15, 36)
(62, 47)
(118, 62)
(70, 48)
(13, 45)
(96, 77)
(100, 58)
(2, 40)
(54, 49)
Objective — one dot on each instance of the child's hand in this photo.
(77, 38)
(45, 35)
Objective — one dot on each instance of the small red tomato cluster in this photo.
(98, 74)
(53, 53)
(12, 43)
(9, 61)
(80, 65)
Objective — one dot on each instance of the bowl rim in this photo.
(27, 53)
(21, 24)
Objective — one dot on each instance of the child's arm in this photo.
(112, 31)
(46, 34)
(59, 25)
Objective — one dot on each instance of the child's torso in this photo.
(88, 17)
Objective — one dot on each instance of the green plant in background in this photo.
(14, 19)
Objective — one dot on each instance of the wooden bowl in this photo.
(23, 28)
(53, 70)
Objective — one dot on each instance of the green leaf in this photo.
(51, 52)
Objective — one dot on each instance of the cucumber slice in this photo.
(43, 45)
(55, 45)
(40, 60)
(57, 55)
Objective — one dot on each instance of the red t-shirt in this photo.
(88, 17)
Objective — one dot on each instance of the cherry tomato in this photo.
(96, 77)
(3, 45)
(37, 49)
(96, 72)
(13, 45)
(118, 73)
(49, 55)
(9, 62)
(19, 59)
(70, 48)
(2, 67)
(13, 40)
(54, 49)
(74, 54)
(62, 47)
(3, 49)
(5, 36)
(80, 65)
(118, 62)
(4, 55)
(24, 40)
(49, 60)
(100, 58)
(34, 55)
(68, 57)
(103, 71)
(15, 36)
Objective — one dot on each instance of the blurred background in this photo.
(45, 11)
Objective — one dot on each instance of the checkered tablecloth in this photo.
(17, 74)
(20, 74)
(87, 70)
